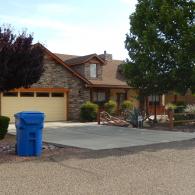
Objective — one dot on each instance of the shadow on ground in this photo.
(64, 153)
(78, 153)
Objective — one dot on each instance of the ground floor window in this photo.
(121, 97)
(98, 96)
(154, 98)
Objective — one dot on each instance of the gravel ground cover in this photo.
(152, 170)
(8, 154)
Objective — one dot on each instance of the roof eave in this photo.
(109, 86)
(64, 64)
(86, 60)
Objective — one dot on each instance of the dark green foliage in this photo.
(110, 106)
(88, 112)
(161, 46)
(170, 106)
(21, 63)
(180, 107)
(181, 117)
(4, 123)
(133, 117)
(127, 105)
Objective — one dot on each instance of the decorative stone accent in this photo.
(87, 72)
(57, 76)
(84, 69)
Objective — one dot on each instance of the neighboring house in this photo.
(163, 100)
(68, 82)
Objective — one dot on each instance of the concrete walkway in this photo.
(97, 137)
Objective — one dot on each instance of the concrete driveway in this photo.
(97, 137)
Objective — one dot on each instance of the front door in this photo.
(121, 97)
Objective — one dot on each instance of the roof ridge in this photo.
(64, 64)
(83, 59)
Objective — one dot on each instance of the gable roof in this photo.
(111, 76)
(76, 60)
(63, 63)
(65, 57)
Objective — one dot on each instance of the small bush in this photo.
(127, 105)
(88, 111)
(180, 117)
(180, 107)
(4, 123)
(170, 106)
(190, 108)
(110, 106)
(184, 118)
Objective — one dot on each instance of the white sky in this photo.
(76, 27)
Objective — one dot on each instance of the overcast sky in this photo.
(76, 27)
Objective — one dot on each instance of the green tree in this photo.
(161, 47)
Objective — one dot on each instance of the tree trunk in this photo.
(155, 118)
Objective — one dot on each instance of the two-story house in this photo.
(67, 82)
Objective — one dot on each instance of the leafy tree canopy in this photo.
(161, 46)
(21, 63)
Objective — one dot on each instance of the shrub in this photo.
(127, 105)
(180, 106)
(170, 106)
(180, 117)
(88, 111)
(4, 123)
(110, 106)
(190, 108)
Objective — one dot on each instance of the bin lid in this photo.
(31, 117)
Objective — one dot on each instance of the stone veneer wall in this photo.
(57, 76)
(87, 72)
(84, 69)
(79, 68)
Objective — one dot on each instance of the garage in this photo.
(52, 102)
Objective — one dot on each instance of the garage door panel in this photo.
(53, 107)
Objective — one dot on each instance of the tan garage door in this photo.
(53, 104)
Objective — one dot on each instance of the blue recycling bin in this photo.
(29, 127)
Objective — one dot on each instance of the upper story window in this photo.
(93, 70)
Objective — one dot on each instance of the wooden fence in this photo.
(172, 116)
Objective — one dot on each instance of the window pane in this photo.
(57, 94)
(93, 70)
(152, 98)
(42, 94)
(98, 96)
(26, 94)
(101, 96)
(10, 94)
(94, 96)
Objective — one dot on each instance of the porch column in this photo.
(91, 91)
(108, 94)
(163, 99)
(126, 94)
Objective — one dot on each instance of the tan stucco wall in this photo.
(131, 95)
